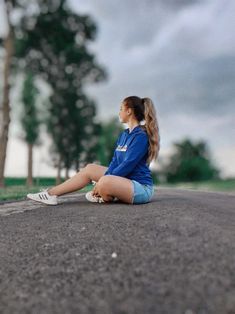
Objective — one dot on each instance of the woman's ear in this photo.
(128, 111)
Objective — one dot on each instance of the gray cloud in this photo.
(185, 58)
(179, 53)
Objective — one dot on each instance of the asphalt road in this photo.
(173, 255)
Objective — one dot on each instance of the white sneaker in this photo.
(94, 199)
(43, 197)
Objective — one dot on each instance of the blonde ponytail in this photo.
(152, 129)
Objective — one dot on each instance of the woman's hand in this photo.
(95, 191)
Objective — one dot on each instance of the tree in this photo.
(32, 44)
(8, 44)
(66, 64)
(109, 132)
(30, 121)
(190, 162)
(73, 130)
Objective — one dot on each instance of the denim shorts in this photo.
(142, 192)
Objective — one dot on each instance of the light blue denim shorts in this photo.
(142, 192)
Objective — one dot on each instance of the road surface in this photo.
(173, 255)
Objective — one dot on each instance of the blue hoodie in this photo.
(130, 156)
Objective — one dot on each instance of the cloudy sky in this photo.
(181, 53)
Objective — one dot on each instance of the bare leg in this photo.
(80, 180)
(114, 186)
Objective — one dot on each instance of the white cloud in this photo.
(16, 163)
(201, 30)
(3, 27)
(186, 66)
(225, 157)
(182, 56)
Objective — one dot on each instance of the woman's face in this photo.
(124, 113)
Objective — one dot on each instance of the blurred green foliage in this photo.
(108, 135)
(52, 44)
(16, 189)
(190, 162)
(42, 181)
(30, 121)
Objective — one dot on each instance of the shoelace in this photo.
(43, 190)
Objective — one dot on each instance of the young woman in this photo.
(128, 177)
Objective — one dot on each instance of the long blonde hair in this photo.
(144, 110)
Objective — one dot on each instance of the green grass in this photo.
(16, 189)
(227, 185)
(42, 181)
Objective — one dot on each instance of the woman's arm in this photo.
(113, 163)
(135, 152)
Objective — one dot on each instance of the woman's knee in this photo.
(94, 171)
(103, 184)
(88, 168)
(122, 189)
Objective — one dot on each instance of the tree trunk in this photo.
(5, 108)
(58, 177)
(30, 165)
(66, 174)
(77, 164)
